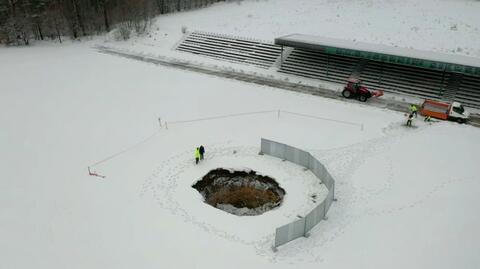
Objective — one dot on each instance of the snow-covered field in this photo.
(443, 26)
(448, 26)
(407, 197)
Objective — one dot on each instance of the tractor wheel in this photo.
(346, 93)
(460, 120)
(362, 98)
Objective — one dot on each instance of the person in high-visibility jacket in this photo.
(413, 110)
(197, 155)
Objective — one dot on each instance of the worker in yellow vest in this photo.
(197, 155)
(413, 110)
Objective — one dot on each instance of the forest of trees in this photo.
(24, 20)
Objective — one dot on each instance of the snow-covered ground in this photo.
(407, 197)
(445, 26)
(448, 26)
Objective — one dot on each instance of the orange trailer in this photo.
(435, 109)
(444, 111)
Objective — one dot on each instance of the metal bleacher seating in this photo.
(390, 77)
(313, 64)
(377, 75)
(234, 49)
(403, 79)
(469, 91)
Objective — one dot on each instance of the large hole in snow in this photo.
(240, 193)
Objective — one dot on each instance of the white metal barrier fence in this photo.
(301, 227)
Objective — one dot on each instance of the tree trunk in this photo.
(57, 30)
(161, 6)
(74, 30)
(78, 16)
(105, 17)
(25, 38)
(39, 29)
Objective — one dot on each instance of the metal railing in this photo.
(301, 227)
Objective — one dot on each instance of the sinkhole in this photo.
(242, 193)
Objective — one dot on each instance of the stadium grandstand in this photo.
(421, 73)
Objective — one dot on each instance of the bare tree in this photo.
(22, 20)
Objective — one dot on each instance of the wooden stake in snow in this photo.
(90, 173)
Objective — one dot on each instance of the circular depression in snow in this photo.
(242, 193)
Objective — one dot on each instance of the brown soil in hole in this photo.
(244, 196)
(240, 192)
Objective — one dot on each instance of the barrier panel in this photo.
(289, 232)
(300, 228)
(315, 216)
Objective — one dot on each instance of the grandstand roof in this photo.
(383, 53)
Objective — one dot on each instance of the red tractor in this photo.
(354, 89)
